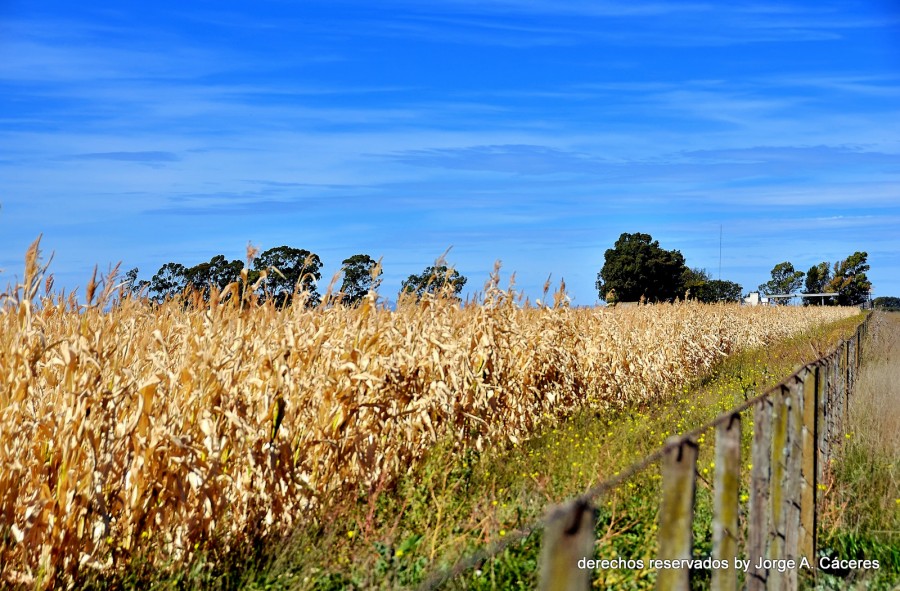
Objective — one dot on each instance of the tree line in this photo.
(888, 303)
(638, 268)
(846, 279)
(281, 272)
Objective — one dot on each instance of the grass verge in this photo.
(861, 517)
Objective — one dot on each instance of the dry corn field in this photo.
(128, 428)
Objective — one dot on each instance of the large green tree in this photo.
(817, 279)
(439, 280)
(720, 290)
(785, 280)
(694, 278)
(169, 281)
(638, 267)
(702, 288)
(850, 281)
(218, 273)
(287, 268)
(360, 277)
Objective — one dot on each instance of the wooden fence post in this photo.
(758, 516)
(822, 417)
(676, 512)
(840, 385)
(851, 364)
(726, 502)
(568, 538)
(777, 519)
(809, 470)
(845, 388)
(793, 486)
(837, 399)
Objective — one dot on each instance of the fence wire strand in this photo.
(440, 577)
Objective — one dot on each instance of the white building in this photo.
(754, 299)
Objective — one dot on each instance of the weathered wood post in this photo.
(822, 417)
(851, 364)
(676, 512)
(837, 398)
(845, 387)
(726, 502)
(793, 486)
(779, 451)
(758, 514)
(568, 538)
(809, 470)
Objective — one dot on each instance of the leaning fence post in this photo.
(726, 488)
(758, 524)
(568, 538)
(676, 512)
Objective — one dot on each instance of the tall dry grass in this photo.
(864, 495)
(874, 419)
(128, 428)
(860, 515)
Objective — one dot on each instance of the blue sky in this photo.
(530, 131)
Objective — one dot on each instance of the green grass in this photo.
(448, 508)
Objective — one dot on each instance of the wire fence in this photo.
(796, 427)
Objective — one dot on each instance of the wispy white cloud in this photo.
(524, 23)
(538, 23)
(149, 157)
(747, 14)
(518, 159)
(820, 156)
(881, 85)
(758, 165)
(544, 7)
(31, 60)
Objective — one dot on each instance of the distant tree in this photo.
(694, 278)
(718, 290)
(131, 285)
(850, 281)
(638, 267)
(295, 266)
(702, 288)
(817, 279)
(130, 277)
(784, 280)
(434, 280)
(218, 272)
(887, 303)
(358, 278)
(169, 281)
